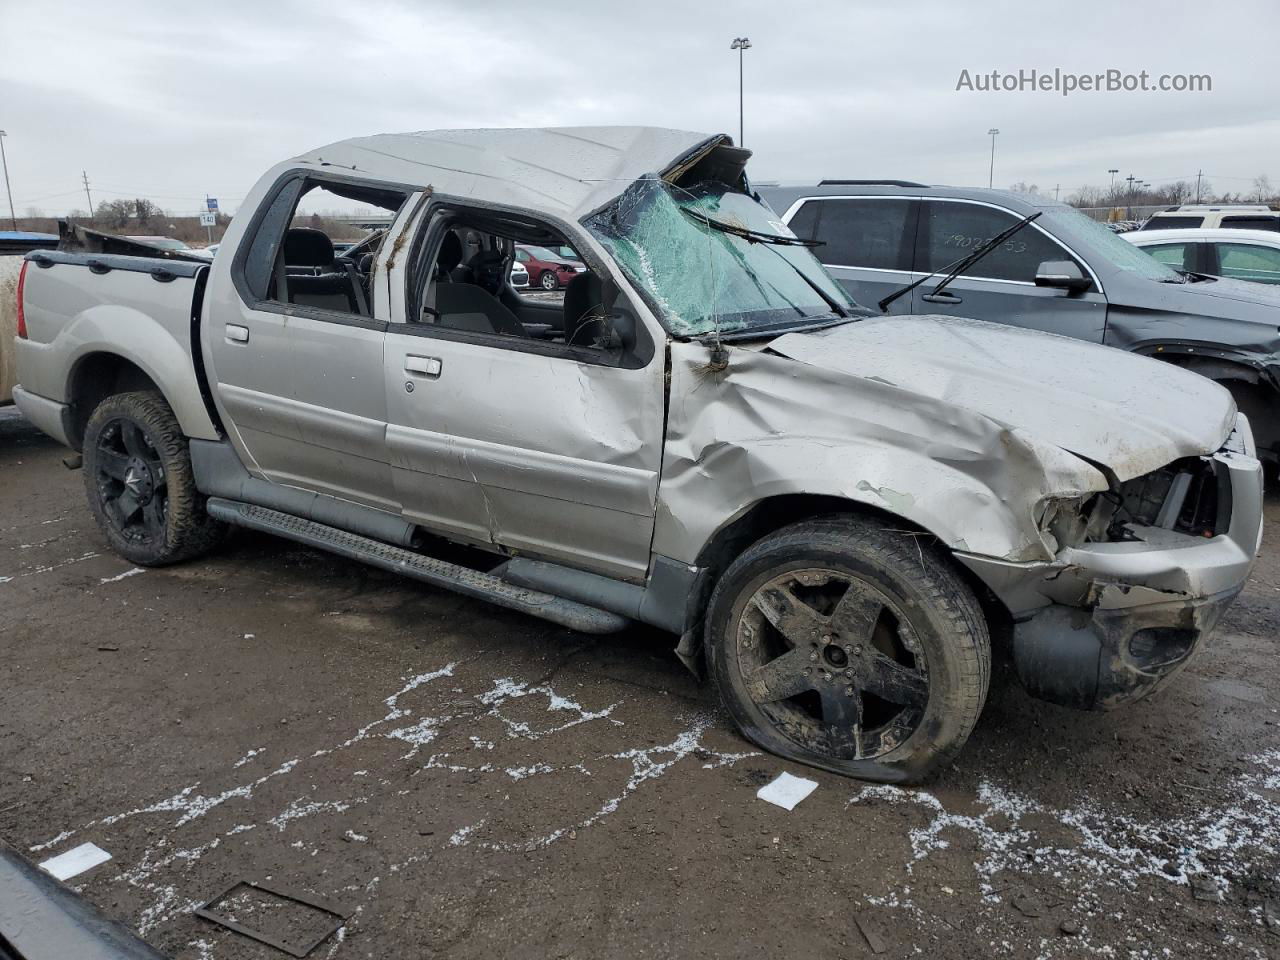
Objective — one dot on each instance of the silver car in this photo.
(833, 510)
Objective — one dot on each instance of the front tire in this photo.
(848, 645)
(139, 482)
(548, 280)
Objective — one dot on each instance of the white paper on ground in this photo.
(786, 791)
(75, 861)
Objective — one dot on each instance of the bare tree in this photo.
(144, 210)
(1262, 189)
(1088, 196)
(1180, 191)
(115, 213)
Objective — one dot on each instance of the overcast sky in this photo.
(170, 100)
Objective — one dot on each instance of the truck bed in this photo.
(78, 305)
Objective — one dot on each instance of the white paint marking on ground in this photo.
(247, 757)
(509, 689)
(520, 773)
(305, 808)
(53, 842)
(190, 805)
(128, 573)
(1232, 836)
(644, 767)
(459, 837)
(50, 568)
(786, 791)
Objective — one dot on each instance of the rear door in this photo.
(1247, 261)
(866, 242)
(298, 376)
(1178, 254)
(1001, 286)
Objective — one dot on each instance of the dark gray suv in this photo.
(1062, 273)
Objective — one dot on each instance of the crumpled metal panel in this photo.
(771, 425)
(562, 171)
(1131, 414)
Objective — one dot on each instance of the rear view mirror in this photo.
(1062, 274)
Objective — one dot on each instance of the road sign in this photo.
(208, 219)
(212, 203)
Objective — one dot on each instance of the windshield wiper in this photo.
(772, 240)
(838, 309)
(958, 267)
(746, 233)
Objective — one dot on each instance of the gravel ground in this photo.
(469, 783)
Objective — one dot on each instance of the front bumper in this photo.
(1108, 623)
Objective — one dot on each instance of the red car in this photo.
(547, 269)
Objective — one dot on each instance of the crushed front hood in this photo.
(1128, 413)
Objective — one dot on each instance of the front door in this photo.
(1001, 286)
(522, 442)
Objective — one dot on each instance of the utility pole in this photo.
(1131, 178)
(85, 175)
(741, 44)
(13, 219)
(1199, 175)
(1055, 192)
(991, 174)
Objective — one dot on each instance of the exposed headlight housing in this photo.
(1062, 521)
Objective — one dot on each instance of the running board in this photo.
(438, 573)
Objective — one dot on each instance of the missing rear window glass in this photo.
(321, 253)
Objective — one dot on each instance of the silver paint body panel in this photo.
(959, 427)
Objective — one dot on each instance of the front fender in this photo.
(768, 427)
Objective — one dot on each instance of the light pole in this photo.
(1131, 179)
(741, 44)
(1113, 173)
(991, 174)
(4, 161)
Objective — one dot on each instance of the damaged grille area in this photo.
(1190, 496)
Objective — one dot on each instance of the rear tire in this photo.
(851, 646)
(139, 482)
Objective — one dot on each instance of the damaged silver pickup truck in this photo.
(834, 510)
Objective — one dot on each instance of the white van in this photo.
(1241, 216)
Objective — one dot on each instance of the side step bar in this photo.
(438, 573)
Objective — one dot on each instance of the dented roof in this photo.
(561, 171)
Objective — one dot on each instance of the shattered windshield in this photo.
(707, 257)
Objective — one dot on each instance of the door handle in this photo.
(237, 333)
(423, 366)
(943, 297)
